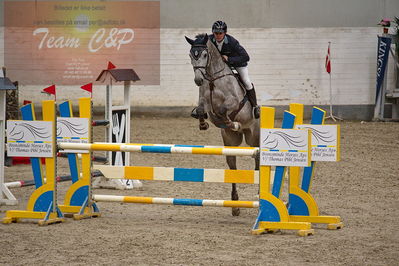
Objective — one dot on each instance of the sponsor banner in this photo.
(325, 142)
(285, 147)
(73, 130)
(384, 45)
(30, 139)
(70, 42)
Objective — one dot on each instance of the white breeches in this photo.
(243, 71)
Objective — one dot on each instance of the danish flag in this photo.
(328, 62)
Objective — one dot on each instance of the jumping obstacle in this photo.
(273, 214)
(42, 204)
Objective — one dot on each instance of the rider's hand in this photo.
(225, 58)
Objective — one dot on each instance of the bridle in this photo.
(207, 76)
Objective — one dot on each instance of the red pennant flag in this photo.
(88, 87)
(50, 90)
(26, 102)
(110, 65)
(328, 62)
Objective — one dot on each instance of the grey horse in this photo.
(224, 100)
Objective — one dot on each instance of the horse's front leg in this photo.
(225, 109)
(252, 139)
(203, 125)
(202, 115)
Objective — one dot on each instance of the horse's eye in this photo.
(205, 55)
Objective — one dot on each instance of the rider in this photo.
(235, 56)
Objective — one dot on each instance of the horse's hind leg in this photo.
(231, 161)
(232, 138)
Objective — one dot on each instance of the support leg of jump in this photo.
(273, 214)
(78, 203)
(42, 204)
(302, 207)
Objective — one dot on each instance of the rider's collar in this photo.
(225, 40)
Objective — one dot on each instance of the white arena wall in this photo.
(287, 65)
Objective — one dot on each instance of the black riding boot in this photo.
(194, 114)
(252, 99)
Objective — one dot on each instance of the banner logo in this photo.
(70, 42)
(384, 45)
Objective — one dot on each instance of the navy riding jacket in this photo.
(237, 56)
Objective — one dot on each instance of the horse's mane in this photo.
(200, 36)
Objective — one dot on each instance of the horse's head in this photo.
(199, 55)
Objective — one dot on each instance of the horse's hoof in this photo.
(235, 211)
(204, 126)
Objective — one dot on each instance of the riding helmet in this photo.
(219, 26)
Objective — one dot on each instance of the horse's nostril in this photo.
(198, 82)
